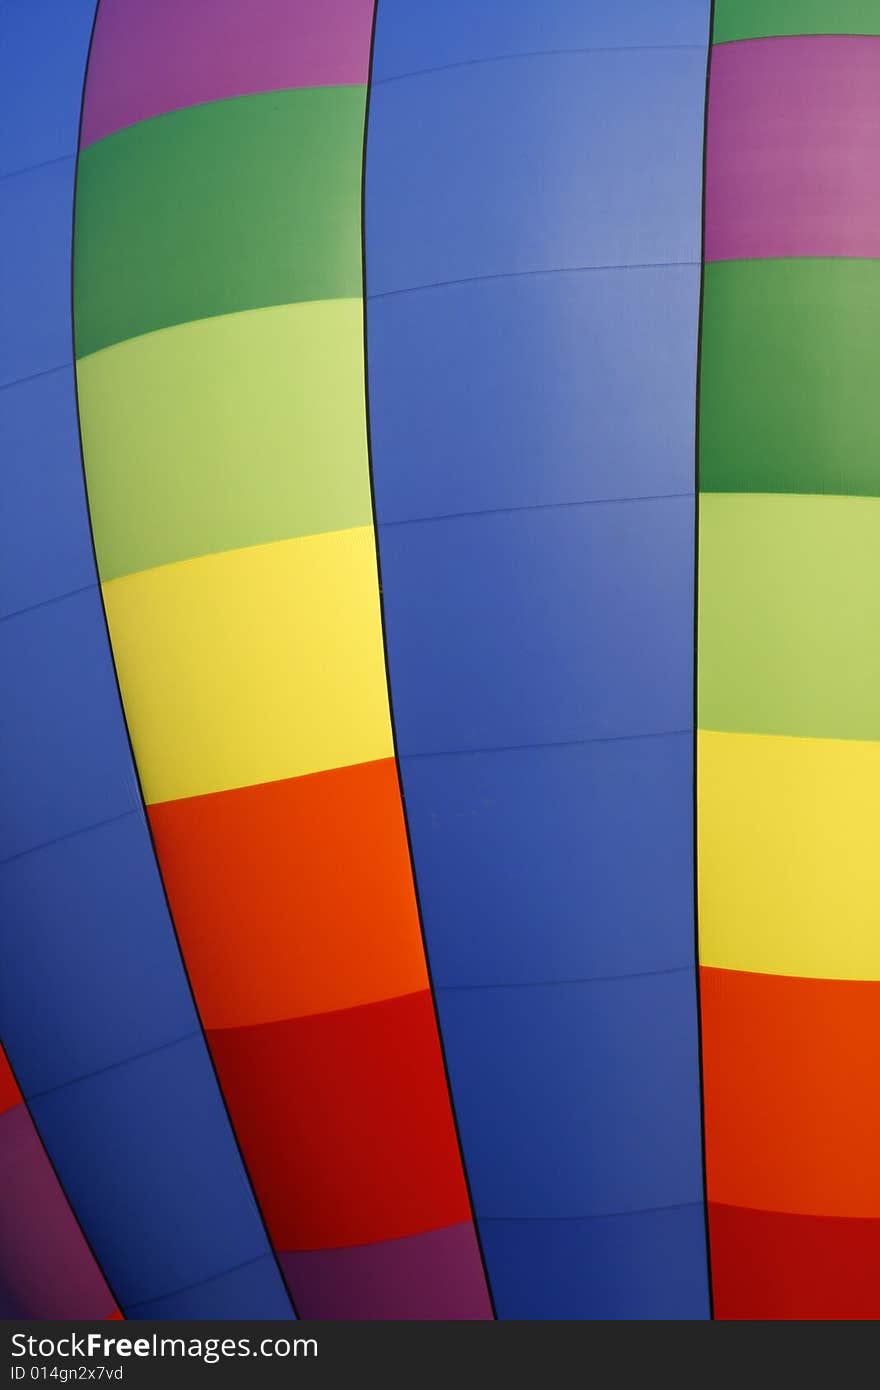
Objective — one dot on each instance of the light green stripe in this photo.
(224, 433)
(751, 19)
(219, 207)
(789, 615)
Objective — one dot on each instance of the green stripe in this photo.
(790, 377)
(219, 207)
(224, 433)
(789, 615)
(757, 19)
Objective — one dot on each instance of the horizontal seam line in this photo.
(199, 1283)
(763, 38)
(32, 168)
(599, 1215)
(550, 743)
(755, 492)
(529, 274)
(70, 835)
(541, 53)
(113, 1066)
(137, 338)
(90, 142)
(47, 602)
(35, 376)
(539, 507)
(577, 980)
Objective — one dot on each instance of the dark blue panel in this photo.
(35, 216)
(539, 389)
(86, 945)
(153, 1172)
(45, 550)
(644, 1265)
(63, 757)
(252, 1291)
(577, 1099)
(43, 45)
(413, 34)
(599, 883)
(509, 168)
(544, 626)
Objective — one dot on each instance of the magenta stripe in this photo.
(793, 148)
(435, 1275)
(46, 1268)
(150, 56)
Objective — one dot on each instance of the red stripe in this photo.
(9, 1093)
(780, 1265)
(345, 1123)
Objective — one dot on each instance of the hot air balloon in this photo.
(437, 874)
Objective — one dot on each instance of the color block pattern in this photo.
(96, 1014)
(220, 365)
(789, 660)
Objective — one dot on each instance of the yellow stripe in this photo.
(789, 868)
(252, 665)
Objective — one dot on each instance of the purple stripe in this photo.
(435, 1275)
(46, 1268)
(793, 148)
(150, 56)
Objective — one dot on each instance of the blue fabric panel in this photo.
(533, 230)
(416, 34)
(476, 811)
(641, 1265)
(251, 1291)
(546, 626)
(516, 167)
(577, 1099)
(45, 548)
(43, 46)
(35, 217)
(64, 761)
(83, 927)
(479, 398)
(153, 1172)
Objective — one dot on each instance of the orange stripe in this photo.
(791, 1068)
(293, 897)
(345, 1123)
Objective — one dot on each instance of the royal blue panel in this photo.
(41, 478)
(64, 764)
(530, 167)
(546, 626)
(35, 218)
(245, 1292)
(642, 1265)
(594, 1087)
(43, 46)
(106, 882)
(94, 1000)
(415, 34)
(532, 440)
(477, 811)
(153, 1172)
(501, 383)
